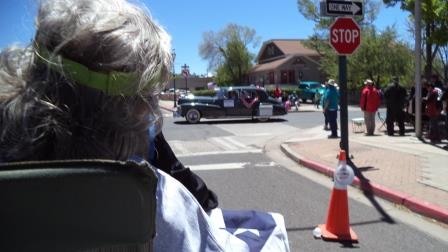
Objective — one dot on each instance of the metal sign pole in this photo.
(418, 84)
(343, 103)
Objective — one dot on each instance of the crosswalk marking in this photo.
(223, 166)
(178, 147)
(206, 153)
(230, 139)
(211, 146)
(222, 141)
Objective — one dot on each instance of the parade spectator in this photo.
(330, 102)
(294, 100)
(433, 112)
(369, 103)
(445, 108)
(395, 96)
(436, 82)
(87, 88)
(326, 123)
(278, 93)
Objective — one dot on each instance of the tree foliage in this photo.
(227, 52)
(435, 25)
(381, 56)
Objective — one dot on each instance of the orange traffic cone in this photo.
(337, 227)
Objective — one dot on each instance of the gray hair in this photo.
(47, 115)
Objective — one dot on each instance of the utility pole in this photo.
(186, 73)
(173, 54)
(418, 77)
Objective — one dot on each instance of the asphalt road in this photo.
(239, 160)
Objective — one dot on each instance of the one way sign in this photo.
(342, 8)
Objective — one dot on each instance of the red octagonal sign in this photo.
(345, 35)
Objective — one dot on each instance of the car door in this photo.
(240, 109)
(230, 103)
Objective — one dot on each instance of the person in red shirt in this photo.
(278, 93)
(369, 103)
(432, 111)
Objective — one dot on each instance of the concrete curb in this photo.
(416, 205)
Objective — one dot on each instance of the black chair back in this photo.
(77, 205)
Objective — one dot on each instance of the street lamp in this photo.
(186, 73)
(173, 55)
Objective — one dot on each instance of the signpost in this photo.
(345, 37)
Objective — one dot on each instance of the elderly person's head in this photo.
(87, 85)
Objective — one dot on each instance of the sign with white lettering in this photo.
(342, 8)
(345, 35)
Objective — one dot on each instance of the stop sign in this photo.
(345, 35)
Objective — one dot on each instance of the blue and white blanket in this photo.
(182, 225)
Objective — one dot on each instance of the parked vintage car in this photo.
(309, 90)
(230, 102)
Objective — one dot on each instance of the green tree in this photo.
(435, 26)
(381, 56)
(227, 53)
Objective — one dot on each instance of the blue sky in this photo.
(185, 21)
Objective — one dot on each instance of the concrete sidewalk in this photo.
(403, 170)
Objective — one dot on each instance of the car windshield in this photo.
(315, 85)
(303, 86)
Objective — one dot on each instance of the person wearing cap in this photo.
(330, 101)
(395, 96)
(369, 103)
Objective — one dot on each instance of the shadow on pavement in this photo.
(368, 192)
(292, 229)
(245, 121)
(443, 145)
(367, 168)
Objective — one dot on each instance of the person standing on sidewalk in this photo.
(326, 123)
(395, 96)
(432, 111)
(278, 93)
(445, 108)
(330, 101)
(369, 103)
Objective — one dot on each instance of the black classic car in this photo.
(230, 102)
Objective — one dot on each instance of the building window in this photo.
(292, 76)
(284, 77)
(271, 77)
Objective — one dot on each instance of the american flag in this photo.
(261, 231)
(185, 73)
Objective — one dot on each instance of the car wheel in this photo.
(263, 119)
(193, 116)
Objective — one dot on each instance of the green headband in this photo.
(112, 83)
